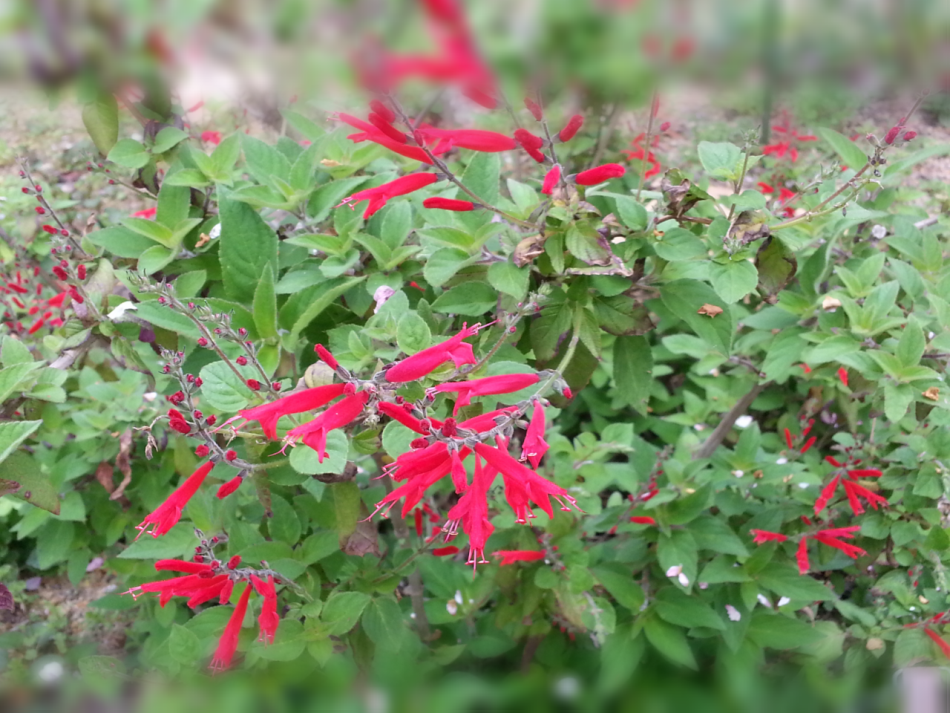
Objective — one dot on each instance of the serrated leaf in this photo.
(265, 305)
(669, 641)
(129, 153)
(342, 611)
(633, 369)
(469, 299)
(733, 279)
(223, 389)
(383, 622)
(247, 246)
(168, 138)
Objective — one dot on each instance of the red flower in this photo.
(445, 551)
(551, 180)
(865, 473)
(182, 566)
(533, 107)
(808, 444)
(383, 110)
(826, 494)
(309, 400)
(448, 204)
(200, 588)
(572, 127)
(801, 555)
(490, 385)
(534, 446)
(910, 135)
(599, 174)
(892, 134)
(512, 556)
(781, 149)
(314, 433)
(211, 137)
(855, 492)
(642, 520)
(378, 196)
(401, 413)
(229, 487)
(147, 213)
(387, 128)
(833, 461)
(459, 476)
(167, 515)
(228, 643)
(762, 536)
(850, 550)
(371, 133)
(426, 361)
(528, 140)
(326, 356)
(178, 422)
(474, 139)
(472, 512)
(944, 646)
(268, 619)
(843, 375)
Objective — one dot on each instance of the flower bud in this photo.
(910, 135)
(253, 384)
(211, 420)
(892, 135)
(202, 450)
(533, 107)
(230, 455)
(202, 342)
(241, 361)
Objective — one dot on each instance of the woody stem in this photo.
(646, 151)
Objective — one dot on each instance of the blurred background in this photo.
(716, 68)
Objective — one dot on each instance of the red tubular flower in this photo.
(845, 532)
(445, 551)
(473, 139)
(182, 566)
(892, 134)
(147, 213)
(167, 515)
(599, 174)
(808, 444)
(309, 400)
(490, 385)
(211, 137)
(855, 492)
(534, 446)
(826, 494)
(865, 473)
(551, 180)
(512, 556)
(253, 384)
(448, 204)
(780, 149)
(910, 135)
(833, 461)
(391, 131)
(229, 487)
(268, 619)
(762, 536)
(378, 196)
(801, 555)
(533, 107)
(459, 477)
(534, 153)
(399, 413)
(935, 637)
(228, 643)
(788, 439)
(851, 550)
(572, 127)
(36, 326)
(428, 360)
(472, 512)
(371, 133)
(642, 520)
(486, 421)
(326, 356)
(528, 140)
(843, 375)
(314, 433)
(384, 111)
(225, 596)
(178, 422)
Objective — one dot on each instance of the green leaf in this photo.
(154, 259)
(265, 305)
(912, 343)
(482, 175)
(850, 154)
(631, 213)
(54, 543)
(619, 581)
(223, 389)
(733, 279)
(684, 298)
(130, 154)
(184, 645)
(784, 580)
(669, 641)
(13, 433)
(13, 378)
(443, 264)
(777, 631)
(343, 610)
(180, 540)
(412, 333)
(247, 246)
(721, 160)
(586, 244)
(305, 460)
(35, 487)
(897, 398)
(683, 610)
(469, 299)
(187, 177)
(101, 119)
(509, 278)
(382, 620)
(168, 138)
(320, 302)
(14, 352)
(284, 525)
(678, 244)
(151, 230)
(776, 265)
(633, 371)
(225, 156)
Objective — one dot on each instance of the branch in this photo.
(728, 421)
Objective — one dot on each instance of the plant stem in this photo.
(646, 151)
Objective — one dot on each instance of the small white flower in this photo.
(215, 232)
(878, 231)
(451, 607)
(912, 608)
(699, 427)
(118, 313)
(733, 613)
(803, 485)
(618, 240)
(683, 579)
(382, 294)
(567, 687)
(764, 601)
(150, 395)
(51, 671)
(782, 461)
(674, 570)
(458, 596)
(704, 585)
(744, 421)
(783, 601)
(738, 473)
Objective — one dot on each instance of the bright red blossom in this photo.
(551, 180)
(490, 385)
(512, 556)
(314, 433)
(599, 174)
(167, 515)
(228, 643)
(448, 204)
(534, 446)
(309, 400)
(428, 360)
(378, 196)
